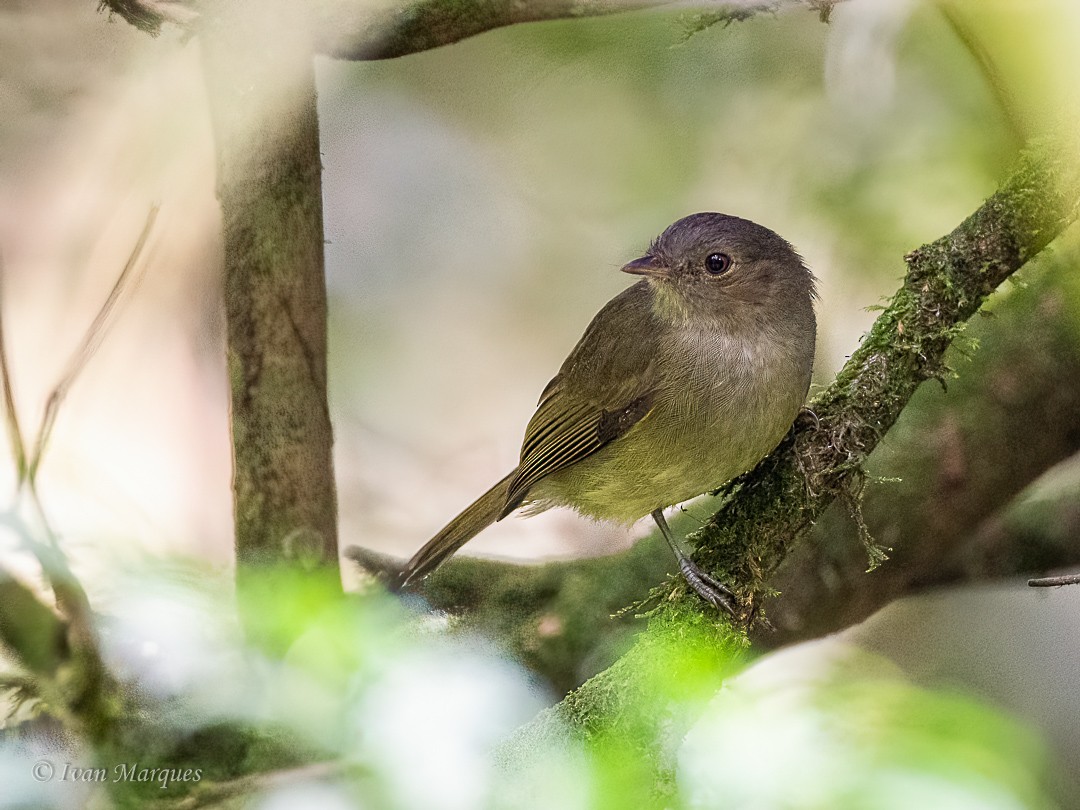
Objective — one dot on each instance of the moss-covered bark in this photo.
(949, 465)
(352, 31)
(565, 620)
(260, 81)
(822, 460)
(953, 462)
(946, 282)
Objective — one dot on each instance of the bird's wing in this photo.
(603, 389)
(558, 437)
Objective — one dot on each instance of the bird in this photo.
(681, 382)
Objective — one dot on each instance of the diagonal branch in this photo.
(821, 460)
(353, 32)
(360, 30)
(946, 282)
(95, 333)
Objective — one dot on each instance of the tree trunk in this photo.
(260, 81)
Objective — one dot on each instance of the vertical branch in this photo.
(258, 66)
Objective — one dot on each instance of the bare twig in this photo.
(70, 597)
(95, 333)
(1054, 582)
(86, 697)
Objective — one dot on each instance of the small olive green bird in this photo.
(681, 382)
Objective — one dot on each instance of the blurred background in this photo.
(479, 200)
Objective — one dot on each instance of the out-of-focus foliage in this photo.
(479, 200)
(404, 716)
(854, 735)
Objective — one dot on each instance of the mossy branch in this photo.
(352, 32)
(973, 479)
(358, 30)
(821, 460)
(946, 283)
(260, 83)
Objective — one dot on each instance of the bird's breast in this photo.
(722, 403)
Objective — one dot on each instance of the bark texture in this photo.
(365, 30)
(260, 80)
(953, 468)
(822, 460)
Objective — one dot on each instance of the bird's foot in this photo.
(713, 591)
(717, 594)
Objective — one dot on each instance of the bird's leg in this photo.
(715, 593)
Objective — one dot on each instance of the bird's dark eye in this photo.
(717, 263)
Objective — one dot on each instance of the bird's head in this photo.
(718, 266)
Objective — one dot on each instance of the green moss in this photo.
(822, 458)
(632, 713)
(682, 658)
(947, 281)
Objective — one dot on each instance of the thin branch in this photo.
(985, 60)
(88, 697)
(352, 32)
(91, 341)
(1054, 582)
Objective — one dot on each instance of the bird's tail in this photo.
(484, 511)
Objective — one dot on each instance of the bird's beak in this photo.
(647, 266)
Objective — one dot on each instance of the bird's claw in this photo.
(711, 590)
